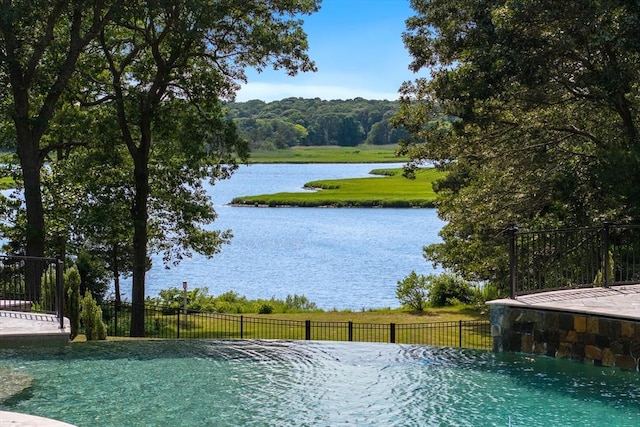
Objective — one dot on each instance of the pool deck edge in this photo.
(25, 328)
(15, 419)
(620, 302)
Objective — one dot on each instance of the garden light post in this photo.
(184, 297)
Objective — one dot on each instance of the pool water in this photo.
(278, 383)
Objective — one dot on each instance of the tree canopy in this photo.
(140, 87)
(315, 122)
(532, 109)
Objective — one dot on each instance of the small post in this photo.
(460, 333)
(184, 297)
(605, 255)
(350, 330)
(307, 330)
(513, 259)
(178, 324)
(392, 333)
(60, 291)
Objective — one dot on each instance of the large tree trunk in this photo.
(140, 215)
(35, 232)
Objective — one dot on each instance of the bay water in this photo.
(342, 258)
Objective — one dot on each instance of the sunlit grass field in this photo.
(446, 326)
(391, 189)
(329, 154)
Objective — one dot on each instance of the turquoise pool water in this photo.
(272, 383)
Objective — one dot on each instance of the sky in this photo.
(358, 50)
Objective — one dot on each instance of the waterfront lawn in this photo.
(392, 190)
(436, 326)
(329, 154)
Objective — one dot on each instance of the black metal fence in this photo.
(171, 323)
(32, 284)
(574, 258)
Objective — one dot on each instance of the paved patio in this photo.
(26, 328)
(622, 302)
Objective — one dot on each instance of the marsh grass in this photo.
(329, 154)
(389, 190)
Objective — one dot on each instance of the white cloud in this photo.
(276, 91)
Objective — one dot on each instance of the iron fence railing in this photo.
(163, 323)
(573, 258)
(32, 284)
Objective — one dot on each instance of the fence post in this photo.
(392, 333)
(115, 318)
(178, 323)
(605, 255)
(241, 327)
(60, 290)
(460, 333)
(350, 330)
(512, 260)
(307, 330)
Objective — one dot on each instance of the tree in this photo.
(40, 44)
(168, 58)
(532, 109)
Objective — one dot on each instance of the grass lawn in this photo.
(392, 190)
(329, 154)
(438, 326)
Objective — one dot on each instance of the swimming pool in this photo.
(280, 383)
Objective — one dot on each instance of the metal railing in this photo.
(167, 323)
(32, 284)
(573, 258)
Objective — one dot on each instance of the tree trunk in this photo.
(30, 163)
(139, 214)
(115, 268)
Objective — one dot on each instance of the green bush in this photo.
(72, 298)
(418, 291)
(447, 289)
(413, 291)
(265, 309)
(91, 317)
(297, 302)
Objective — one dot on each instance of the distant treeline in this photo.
(299, 121)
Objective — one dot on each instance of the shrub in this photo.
(299, 303)
(413, 291)
(91, 317)
(265, 309)
(448, 289)
(72, 298)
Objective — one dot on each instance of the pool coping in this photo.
(15, 419)
(25, 328)
(620, 302)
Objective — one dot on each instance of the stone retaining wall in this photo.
(602, 341)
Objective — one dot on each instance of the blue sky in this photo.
(357, 47)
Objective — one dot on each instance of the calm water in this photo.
(338, 258)
(254, 383)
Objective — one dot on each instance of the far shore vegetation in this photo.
(329, 154)
(390, 190)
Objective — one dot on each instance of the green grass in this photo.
(391, 190)
(436, 326)
(329, 154)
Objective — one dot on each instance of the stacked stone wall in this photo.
(601, 341)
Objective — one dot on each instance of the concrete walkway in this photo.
(622, 302)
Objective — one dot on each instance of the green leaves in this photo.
(531, 107)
